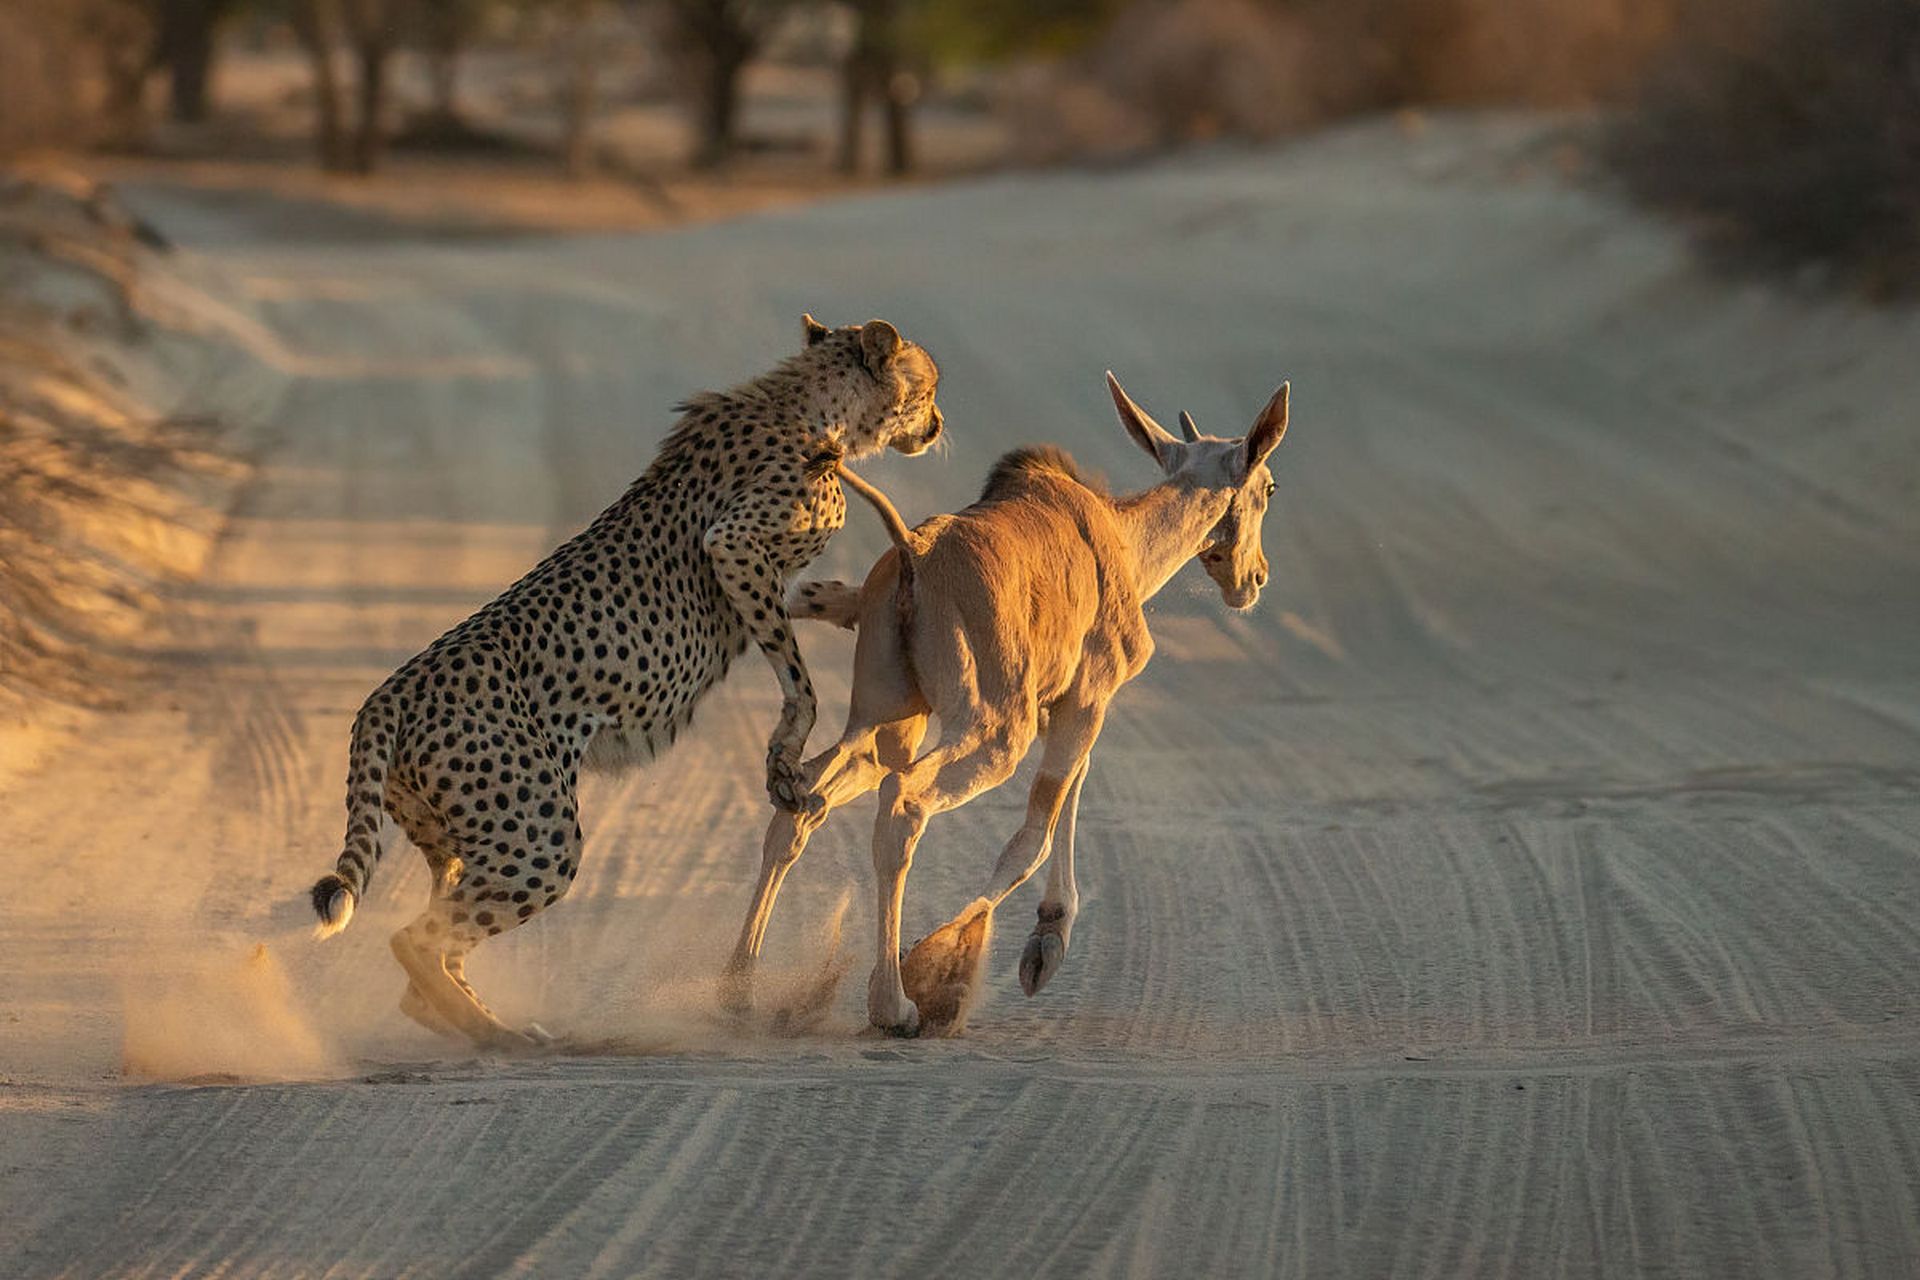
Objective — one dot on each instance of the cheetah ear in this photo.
(879, 342)
(812, 330)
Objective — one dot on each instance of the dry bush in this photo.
(1058, 114)
(73, 72)
(1201, 68)
(40, 60)
(1167, 71)
(1788, 131)
(1389, 53)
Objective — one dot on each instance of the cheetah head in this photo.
(892, 384)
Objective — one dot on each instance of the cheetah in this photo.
(597, 658)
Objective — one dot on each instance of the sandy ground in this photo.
(1528, 888)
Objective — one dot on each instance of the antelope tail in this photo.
(839, 603)
(897, 530)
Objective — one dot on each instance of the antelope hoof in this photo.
(507, 1040)
(904, 1029)
(1040, 960)
(736, 992)
(888, 1009)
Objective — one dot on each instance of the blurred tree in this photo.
(124, 33)
(371, 31)
(574, 34)
(720, 37)
(185, 47)
(582, 70)
(77, 70)
(573, 30)
(445, 28)
(988, 30)
(875, 66)
(314, 25)
(894, 37)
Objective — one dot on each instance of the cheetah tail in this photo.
(334, 895)
(333, 902)
(832, 601)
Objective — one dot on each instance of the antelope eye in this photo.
(1270, 488)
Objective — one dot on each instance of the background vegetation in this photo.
(1786, 131)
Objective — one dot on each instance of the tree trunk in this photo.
(369, 135)
(443, 78)
(582, 76)
(872, 70)
(329, 130)
(720, 111)
(371, 27)
(899, 125)
(124, 108)
(127, 44)
(717, 39)
(445, 26)
(853, 106)
(314, 22)
(186, 47)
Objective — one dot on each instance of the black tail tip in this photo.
(323, 891)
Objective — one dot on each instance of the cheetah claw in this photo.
(795, 801)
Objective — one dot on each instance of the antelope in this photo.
(1017, 618)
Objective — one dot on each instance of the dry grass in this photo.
(97, 497)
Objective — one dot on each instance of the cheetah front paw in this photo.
(786, 787)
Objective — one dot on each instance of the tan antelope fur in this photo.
(1019, 617)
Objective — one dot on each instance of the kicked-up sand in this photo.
(1527, 888)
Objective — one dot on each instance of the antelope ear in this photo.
(879, 342)
(812, 330)
(1146, 433)
(1188, 428)
(1267, 431)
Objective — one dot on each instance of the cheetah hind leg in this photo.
(441, 983)
(457, 970)
(414, 1004)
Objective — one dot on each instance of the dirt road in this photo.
(1528, 888)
